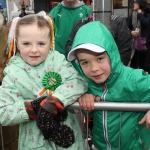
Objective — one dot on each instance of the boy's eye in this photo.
(84, 63)
(100, 58)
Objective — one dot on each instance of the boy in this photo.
(98, 61)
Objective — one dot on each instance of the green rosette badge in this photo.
(51, 80)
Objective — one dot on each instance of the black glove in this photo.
(52, 130)
(32, 107)
(54, 106)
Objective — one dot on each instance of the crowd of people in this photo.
(68, 57)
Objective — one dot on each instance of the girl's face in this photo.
(136, 6)
(95, 66)
(33, 44)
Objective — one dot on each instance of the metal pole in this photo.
(114, 106)
(8, 10)
(102, 10)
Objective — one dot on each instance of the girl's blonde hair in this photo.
(40, 21)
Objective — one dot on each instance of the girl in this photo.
(25, 76)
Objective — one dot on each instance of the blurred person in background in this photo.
(23, 13)
(9, 134)
(65, 15)
(138, 25)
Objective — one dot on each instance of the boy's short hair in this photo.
(88, 46)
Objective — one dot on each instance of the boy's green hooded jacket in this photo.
(114, 130)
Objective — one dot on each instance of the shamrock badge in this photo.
(51, 80)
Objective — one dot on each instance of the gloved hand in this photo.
(54, 106)
(32, 107)
(53, 130)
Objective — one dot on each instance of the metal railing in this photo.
(112, 106)
(116, 106)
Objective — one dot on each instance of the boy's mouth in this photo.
(97, 76)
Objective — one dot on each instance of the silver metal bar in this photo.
(139, 107)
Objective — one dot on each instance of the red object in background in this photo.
(87, 120)
(51, 2)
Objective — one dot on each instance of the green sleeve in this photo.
(12, 107)
(142, 83)
(73, 85)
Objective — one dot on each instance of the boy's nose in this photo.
(94, 67)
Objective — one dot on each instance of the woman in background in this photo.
(138, 25)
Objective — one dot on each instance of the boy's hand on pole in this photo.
(87, 101)
(146, 119)
(97, 99)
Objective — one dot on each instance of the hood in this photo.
(96, 33)
(80, 3)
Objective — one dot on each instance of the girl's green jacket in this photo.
(23, 82)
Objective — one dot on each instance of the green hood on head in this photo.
(96, 33)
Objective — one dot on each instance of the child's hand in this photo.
(146, 119)
(87, 101)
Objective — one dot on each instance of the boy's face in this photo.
(33, 46)
(95, 66)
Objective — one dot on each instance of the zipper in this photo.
(105, 118)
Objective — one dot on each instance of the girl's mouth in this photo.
(34, 56)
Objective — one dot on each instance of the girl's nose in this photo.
(34, 49)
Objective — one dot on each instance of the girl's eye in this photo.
(41, 44)
(25, 43)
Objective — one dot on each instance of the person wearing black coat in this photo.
(139, 19)
(147, 60)
(122, 37)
